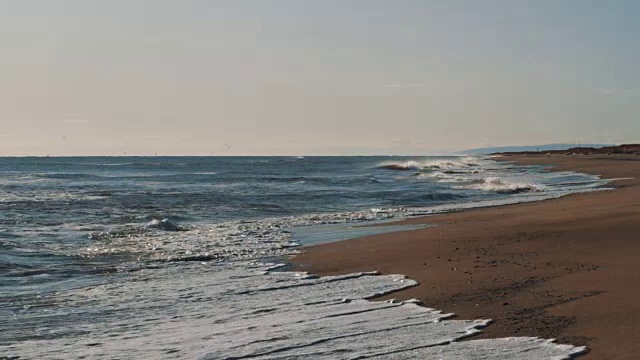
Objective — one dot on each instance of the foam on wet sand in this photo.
(240, 311)
(563, 268)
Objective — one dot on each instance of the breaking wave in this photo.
(430, 165)
(503, 186)
(406, 165)
(443, 177)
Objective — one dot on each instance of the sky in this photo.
(323, 77)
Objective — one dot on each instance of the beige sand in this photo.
(566, 268)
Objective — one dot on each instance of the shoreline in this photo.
(563, 268)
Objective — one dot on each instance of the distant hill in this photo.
(546, 147)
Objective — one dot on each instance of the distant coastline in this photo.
(583, 150)
(527, 148)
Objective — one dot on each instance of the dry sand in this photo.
(565, 268)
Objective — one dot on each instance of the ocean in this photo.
(185, 257)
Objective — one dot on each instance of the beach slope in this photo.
(566, 268)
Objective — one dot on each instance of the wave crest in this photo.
(503, 186)
(406, 165)
(445, 177)
(430, 165)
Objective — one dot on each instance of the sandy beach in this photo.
(564, 268)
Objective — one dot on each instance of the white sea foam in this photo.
(39, 196)
(439, 176)
(405, 165)
(269, 237)
(505, 186)
(432, 164)
(233, 307)
(202, 293)
(238, 311)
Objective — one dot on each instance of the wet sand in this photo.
(566, 268)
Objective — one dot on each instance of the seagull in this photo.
(64, 137)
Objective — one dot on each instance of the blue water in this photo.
(75, 222)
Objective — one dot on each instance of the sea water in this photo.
(154, 257)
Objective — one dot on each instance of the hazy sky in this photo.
(187, 77)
